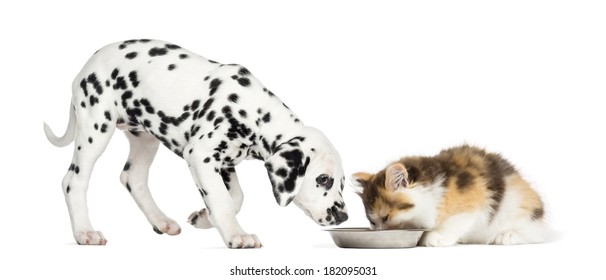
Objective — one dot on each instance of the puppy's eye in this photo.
(385, 218)
(322, 179)
(373, 223)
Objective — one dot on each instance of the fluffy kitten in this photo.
(464, 195)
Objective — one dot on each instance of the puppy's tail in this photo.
(67, 137)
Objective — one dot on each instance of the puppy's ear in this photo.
(396, 176)
(360, 181)
(286, 169)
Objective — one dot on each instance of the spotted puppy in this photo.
(213, 116)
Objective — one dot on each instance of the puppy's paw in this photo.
(199, 219)
(90, 238)
(167, 226)
(437, 239)
(244, 241)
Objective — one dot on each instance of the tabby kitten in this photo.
(462, 195)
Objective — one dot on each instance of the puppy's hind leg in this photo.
(143, 148)
(92, 135)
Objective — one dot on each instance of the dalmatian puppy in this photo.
(210, 114)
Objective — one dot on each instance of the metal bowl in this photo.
(367, 238)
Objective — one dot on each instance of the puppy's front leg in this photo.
(220, 207)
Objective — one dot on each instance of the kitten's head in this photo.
(387, 197)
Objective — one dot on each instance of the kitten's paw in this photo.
(510, 237)
(167, 226)
(199, 219)
(90, 238)
(436, 239)
(244, 241)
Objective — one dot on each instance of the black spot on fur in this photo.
(90, 140)
(282, 172)
(195, 104)
(114, 73)
(218, 121)
(132, 76)
(131, 55)
(183, 56)
(157, 51)
(148, 108)
(134, 112)
(120, 83)
(226, 110)
(67, 189)
(172, 47)
(108, 116)
(244, 82)
(266, 118)
(210, 116)
(242, 113)
(243, 72)
(171, 67)
(222, 146)
(207, 160)
(125, 96)
(214, 86)
(163, 128)
(93, 100)
(233, 98)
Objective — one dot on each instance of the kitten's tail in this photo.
(69, 134)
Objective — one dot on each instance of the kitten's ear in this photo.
(396, 176)
(360, 181)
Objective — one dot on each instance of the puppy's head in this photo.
(307, 170)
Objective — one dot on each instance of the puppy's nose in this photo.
(340, 217)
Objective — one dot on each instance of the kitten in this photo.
(462, 195)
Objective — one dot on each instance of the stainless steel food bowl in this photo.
(367, 238)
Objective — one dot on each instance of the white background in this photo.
(523, 78)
